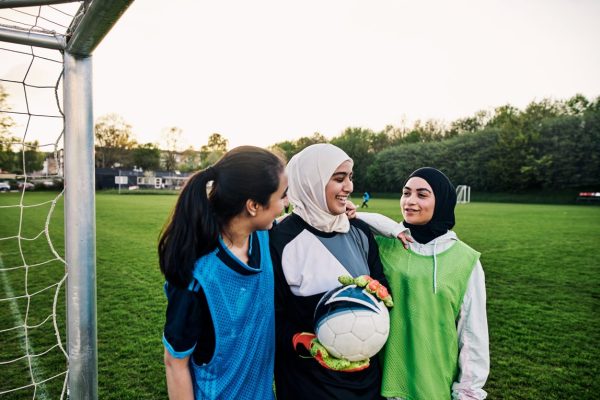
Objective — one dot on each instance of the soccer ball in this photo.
(351, 323)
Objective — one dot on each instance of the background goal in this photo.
(463, 194)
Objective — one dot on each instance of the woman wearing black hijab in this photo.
(438, 346)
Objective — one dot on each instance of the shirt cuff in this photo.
(173, 352)
(400, 228)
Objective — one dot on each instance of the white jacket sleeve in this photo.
(382, 225)
(473, 341)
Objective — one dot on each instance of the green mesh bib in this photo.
(420, 358)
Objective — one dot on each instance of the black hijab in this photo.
(443, 213)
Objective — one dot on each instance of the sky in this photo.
(264, 71)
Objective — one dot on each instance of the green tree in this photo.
(7, 157)
(463, 158)
(31, 159)
(467, 158)
(213, 150)
(577, 105)
(514, 144)
(533, 157)
(113, 140)
(217, 142)
(550, 144)
(290, 148)
(285, 149)
(428, 131)
(390, 167)
(306, 141)
(469, 124)
(569, 150)
(590, 163)
(357, 143)
(190, 160)
(380, 141)
(394, 135)
(147, 157)
(172, 138)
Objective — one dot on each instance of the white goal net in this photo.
(33, 356)
(463, 194)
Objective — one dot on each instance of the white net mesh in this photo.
(33, 360)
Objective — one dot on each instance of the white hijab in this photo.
(308, 173)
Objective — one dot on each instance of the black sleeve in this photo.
(188, 322)
(284, 331)
(374, 261)
(375, 266)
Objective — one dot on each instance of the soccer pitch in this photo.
(542, 274)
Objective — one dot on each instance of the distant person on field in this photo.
(438, 346)
(219, 334)
(366, 197)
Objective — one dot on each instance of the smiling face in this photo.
(339, 188)
(417, 201)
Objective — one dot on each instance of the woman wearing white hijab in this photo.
(310, 249)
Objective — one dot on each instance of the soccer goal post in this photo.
(463, 194)
(88, 26)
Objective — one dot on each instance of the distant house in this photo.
(188, 159)
(105, 179)
(53, 166)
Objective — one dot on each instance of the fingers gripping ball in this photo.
(371, 285)
(351, 323)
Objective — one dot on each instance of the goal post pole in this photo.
(80, 212)
(80, 228)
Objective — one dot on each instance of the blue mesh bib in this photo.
(242, 310)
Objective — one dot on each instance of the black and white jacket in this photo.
(307, 263)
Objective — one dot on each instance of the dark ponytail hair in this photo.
(246, 172)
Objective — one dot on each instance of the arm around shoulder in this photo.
(382, 225)
(473, 341)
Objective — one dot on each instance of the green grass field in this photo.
(542, 272)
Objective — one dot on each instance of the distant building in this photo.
(53, 166)
(188, 159)
(105, 179)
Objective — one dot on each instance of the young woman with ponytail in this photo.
(219, 334)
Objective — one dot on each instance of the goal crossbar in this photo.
(91, 24)
(89, 30)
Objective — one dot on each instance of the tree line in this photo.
(116, 146)
(551, 144)
(27, 156)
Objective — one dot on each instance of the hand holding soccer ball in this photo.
(351, 323)
(371, 285)
(320, 353)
